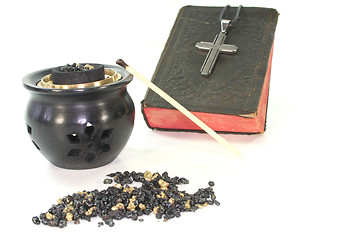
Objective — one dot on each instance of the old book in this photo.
(234, 97)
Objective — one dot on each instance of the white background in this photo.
(299, 180)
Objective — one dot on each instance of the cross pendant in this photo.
(214, 48)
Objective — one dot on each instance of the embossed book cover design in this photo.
(234, 97)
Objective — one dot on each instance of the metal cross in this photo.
(215, 48)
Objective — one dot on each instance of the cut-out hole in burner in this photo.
(89, 129)
(73, 138)
(29, 129)
(104, 148)
(106, 134)
(74, 152)
(89, 157)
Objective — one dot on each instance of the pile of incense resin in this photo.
(74, 68)
(157, 194)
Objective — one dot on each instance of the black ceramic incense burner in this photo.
(79, 116)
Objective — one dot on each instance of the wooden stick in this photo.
(179, 107)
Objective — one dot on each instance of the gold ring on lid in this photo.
(111, 76)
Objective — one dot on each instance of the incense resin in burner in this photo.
(79, 116)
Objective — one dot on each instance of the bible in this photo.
(224, 81)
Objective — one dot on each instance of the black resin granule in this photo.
(36, 220)
(158, 194)
(108, 181)
(62, 223)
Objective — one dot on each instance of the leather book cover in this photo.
(233, 99)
